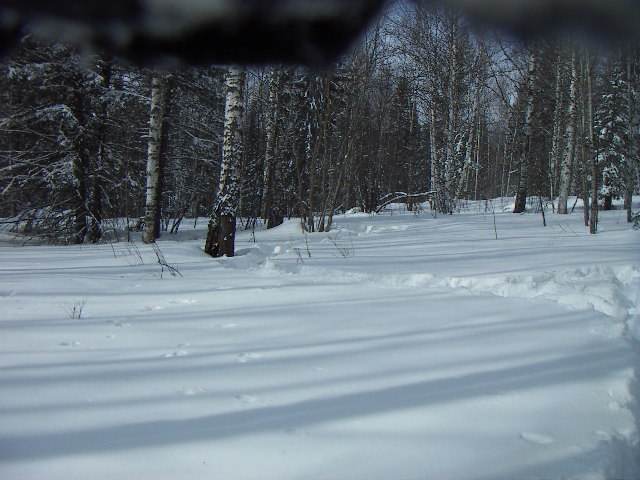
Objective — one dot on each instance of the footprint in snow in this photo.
(179, 353)
(246, 398)
(115, 323)
(537, 438)
(225, 326)
(503, 398)
(245, 357)
(614, 405)
(150, 308)
(190, 392)
(185, 301)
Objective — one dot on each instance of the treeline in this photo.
(425, 107)
(74, 141)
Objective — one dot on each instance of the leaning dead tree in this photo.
(403, 197)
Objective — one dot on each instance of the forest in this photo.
(418, 260)
(425, 107)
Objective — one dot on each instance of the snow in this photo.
(396, 346)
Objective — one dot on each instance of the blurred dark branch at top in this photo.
(312, 32)
(613, 20)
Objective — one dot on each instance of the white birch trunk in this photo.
(222, 226)
(452, 130)
(554, 159)
(521, 191)
(566, 168)
(469, 157)
(154, 161)
(435, 171)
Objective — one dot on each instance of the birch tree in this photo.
(222, 225)
(527, 133)
(570, 138)
(159, 94)
(556, 141)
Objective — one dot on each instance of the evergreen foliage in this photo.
(423, 107)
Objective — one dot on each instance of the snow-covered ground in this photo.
(396, 346)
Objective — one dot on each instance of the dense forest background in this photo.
(424, 107)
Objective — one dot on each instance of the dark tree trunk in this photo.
(271, 177)
(79, 170)
(593, 163)
(95, 198)
(79, 167)
(221, 236)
